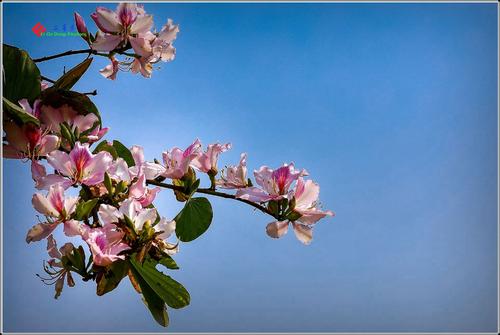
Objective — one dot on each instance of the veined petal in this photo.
(52, 248)
(44, 206)
(109, 214)
(143, 216)
(106, 42)
(61, 162)
(277, 229)
(167, 227)
(48, 143)
(303, 233)
(141, 46)
(40, 231)
(253, 194)
(106, 20)
(142, 24)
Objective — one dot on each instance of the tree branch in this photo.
(214, 193)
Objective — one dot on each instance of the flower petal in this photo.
(277, 229)
(106, 20)
(40, 231)
(303, 233)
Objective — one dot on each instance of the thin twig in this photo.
(47, 79)
(214, 193)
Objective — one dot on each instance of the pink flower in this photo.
(28, 140)
(306, 199)
(306, 196)
(142, 65)
(150, 170)
(162, 48)
(80, 165)
(279, 228)
(105, 244)
(120, 26)
(275, 184)
(130, 208)
(177, 162)
(56, 207)
(80, 24)
(141, 193)
(53, 117)
(110, 71)
(207, 161)
(166, 228)
(235, 176)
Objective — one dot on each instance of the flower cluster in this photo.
(129, 27)
(104, 194)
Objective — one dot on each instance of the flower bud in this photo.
(80, 24)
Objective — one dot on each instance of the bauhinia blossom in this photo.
(177, 161)
(139, 192)
(130, 208)
(52, 118)
(56, 207)
(28, 140)
(275, 184)
(80, 165)
(306, 195)
(207, 161)
(105, 244)
(235, 176)
(121, 26)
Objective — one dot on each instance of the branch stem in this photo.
(213, 193)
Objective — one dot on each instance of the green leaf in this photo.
(21, 75)
(171, 291)
(168, 262)
(194, 219)
(84, 208)
(70, 78)
(124, 153)
(152, 300)
(112, 276)
(17, 113)
(104, 146)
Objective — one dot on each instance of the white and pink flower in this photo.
(177, 161)
(207, 161)
(105, 244)
(274, 184)
(116, 28)
(306, 195)
(56, 207)
(80, 165)
(235, 176)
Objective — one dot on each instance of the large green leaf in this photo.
(21, 75)
(17, 113)
(171, 291)
(194, 219)
(69, 79)
(112, 276)
(124, 153)
(152, 300)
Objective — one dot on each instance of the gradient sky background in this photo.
(390, 107)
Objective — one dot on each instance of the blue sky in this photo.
(392, 108)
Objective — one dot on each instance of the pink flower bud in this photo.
(80, 24)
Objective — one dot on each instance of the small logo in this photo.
(38, 29)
